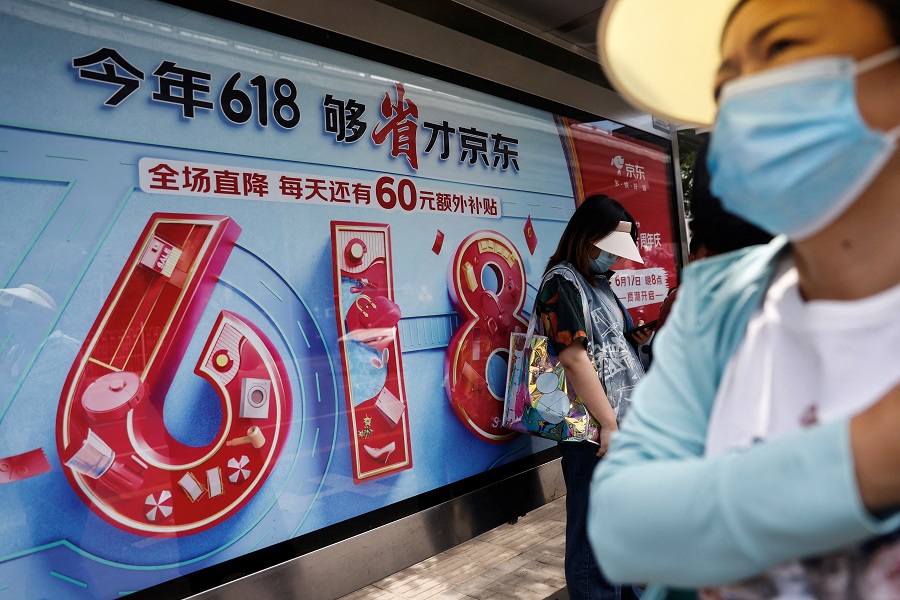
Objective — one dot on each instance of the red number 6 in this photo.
(111, 436)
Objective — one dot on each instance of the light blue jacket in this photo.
(662, 514)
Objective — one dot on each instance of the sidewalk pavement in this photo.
(523, 561)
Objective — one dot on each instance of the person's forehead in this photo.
(837, 17)
(852, 27)
(751, 15)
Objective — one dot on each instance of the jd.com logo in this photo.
(631, 170)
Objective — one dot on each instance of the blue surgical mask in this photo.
(603, 263)
(790, 151)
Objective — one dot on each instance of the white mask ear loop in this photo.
(767, 389)
(872, 63)
(877, 60)
(764, 416)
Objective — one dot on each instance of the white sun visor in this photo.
(619, 242)
(29, 293)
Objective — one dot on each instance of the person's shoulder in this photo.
(563, 274)
(558, 277)
(561, 268)
(735, 271)
(725, 289)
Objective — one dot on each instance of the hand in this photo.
(641, 337)
(605, 437)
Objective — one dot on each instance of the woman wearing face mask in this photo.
(765, 440)
(600, 362)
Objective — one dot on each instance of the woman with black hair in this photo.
(599, 359)
(714, 230)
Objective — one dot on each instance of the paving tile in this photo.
(404, 590)
(474, 586)
(512, 564)
(497, 532)
(542, 570)
(557, 582)
(480, 549)
(398, 584)
(451, 595)
(535, 589)
(447, 567)
(434, 583)
(522, 561)
(378, 594)
(362, 594)
(499, 555)
(551, 576)
(548, 558)
(436, 588)
(504, 595)
(561, 594)
(464, 573)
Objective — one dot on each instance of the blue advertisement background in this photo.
(72, 211)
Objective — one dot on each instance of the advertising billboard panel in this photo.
(253, 287)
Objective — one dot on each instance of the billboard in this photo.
(253, 287)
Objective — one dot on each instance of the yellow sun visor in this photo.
(662, 55)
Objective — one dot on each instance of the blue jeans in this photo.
(584, 579)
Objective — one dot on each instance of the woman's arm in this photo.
(581, 374)
(875, 441)
(563, 315)
(662, 513)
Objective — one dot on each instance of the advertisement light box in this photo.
(253, 287)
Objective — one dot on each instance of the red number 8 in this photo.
(486, 282)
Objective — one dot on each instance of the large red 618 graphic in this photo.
(487, 286)
(120, 458)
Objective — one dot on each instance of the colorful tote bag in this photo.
(538, 400)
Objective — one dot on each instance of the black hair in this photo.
(596, 218)
(696, 242)
(891, 11)
(719, 230)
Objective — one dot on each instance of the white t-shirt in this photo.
(805, 362)
(801, 363)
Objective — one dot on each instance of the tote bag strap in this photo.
(566, 271)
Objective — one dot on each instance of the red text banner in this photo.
(391, 193)
(22, 466)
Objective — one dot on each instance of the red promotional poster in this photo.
(636, 173)
(370, 351)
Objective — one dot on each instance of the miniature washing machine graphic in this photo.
(255, 398)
